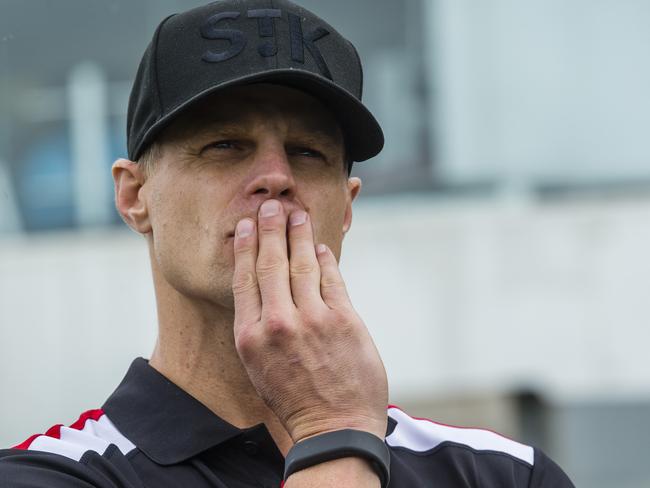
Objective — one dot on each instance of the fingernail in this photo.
(270, 208)
(298, 217)
(321, 249)
(245, 228)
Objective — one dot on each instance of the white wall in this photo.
(459, 295)
(545, 89)
(74, 310)
(481, 295)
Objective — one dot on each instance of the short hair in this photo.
(149, 157)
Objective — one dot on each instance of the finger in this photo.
(272, 261)
(332, 286)
(304, 269)
(246, 293)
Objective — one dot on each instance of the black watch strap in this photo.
(340, 444)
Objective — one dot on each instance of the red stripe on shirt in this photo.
(55, 430)
(88, 415)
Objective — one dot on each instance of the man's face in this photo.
(221, 161)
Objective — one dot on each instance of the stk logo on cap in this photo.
(236, 42)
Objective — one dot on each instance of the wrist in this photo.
(376, 427)
(345, 443)
(349, 472)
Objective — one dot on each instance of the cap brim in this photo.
(363, 135)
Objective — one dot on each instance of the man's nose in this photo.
(272, 176)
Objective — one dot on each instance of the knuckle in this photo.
(244, 282)
(298, 269)
(271, 226)
(270, 265)
(315, 320)
(277, 324)
(342, 318)
(329, 282)
(243, 248)
(245, 341)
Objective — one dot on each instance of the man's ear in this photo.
(354, 187)
(129, 199)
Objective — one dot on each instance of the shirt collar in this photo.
(161, 419)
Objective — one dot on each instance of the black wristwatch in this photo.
(336, 445)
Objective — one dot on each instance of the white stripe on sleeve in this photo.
(424, 435)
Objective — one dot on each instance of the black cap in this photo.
(236, 42)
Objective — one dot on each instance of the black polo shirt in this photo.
(152, 434)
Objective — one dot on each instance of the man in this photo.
(243, 123)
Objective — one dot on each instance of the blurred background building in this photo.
(499, 253)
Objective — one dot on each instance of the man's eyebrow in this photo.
(309, 130)
(317, 129)
(320, 140)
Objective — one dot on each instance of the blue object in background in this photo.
(117, 148)
(44, 184)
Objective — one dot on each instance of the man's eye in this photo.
(226, 148)
(305, 151)
(223, 145)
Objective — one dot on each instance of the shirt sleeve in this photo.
(36, 469)
(547, 474)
